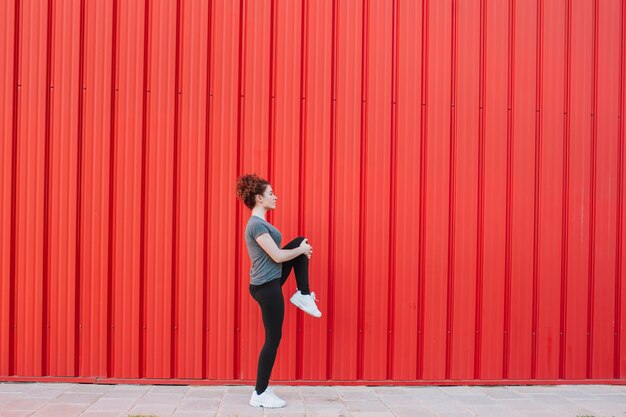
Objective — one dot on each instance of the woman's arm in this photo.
(277, 254)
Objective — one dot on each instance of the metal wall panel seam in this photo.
(271, 124)
(142, 233)
(565, 216)
(422, 205)
(451, 189)
(13, 244)
(302, 167)
(362, 182)
(112, 191)
(330, 345)
(176, 199)
(238, 216)
(537, 220)
(509, 169)
(481, 195)
(79, 193)
(620, 202)
(391, 295)
(592, 222)
(208, 149)
(45, 351)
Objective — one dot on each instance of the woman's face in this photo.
(268, 199)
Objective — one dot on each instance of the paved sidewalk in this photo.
(89, 400)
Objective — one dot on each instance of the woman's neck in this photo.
(259, 211)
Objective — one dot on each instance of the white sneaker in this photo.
(267, 399)
(306, 303)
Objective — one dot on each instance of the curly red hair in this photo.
(248, 186)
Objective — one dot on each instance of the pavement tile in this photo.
(112, 404)
(17, 386)
(76, 398)
(318, 391)
(600, 406)
(328, 412)
(479, 399)
(313, 403)
(169, 389)
(42, 393)
(93, 388)
(525, 404)
(240, 389)
(184, 413)
(617, 398)
(235, 400)
(239, 411)
(529, 388)
(458, 390)
(60, 410)
(427, 392)
(160, 398)
(442, 407)
(412, 411)
(458, 413)
(549, 399)
(15, 413)
(389, 390)
(129, 394)
(197, 404)
(159, 410)
(357, 395)
(24, 404)
(365, 406)
(102, 414)
(574, 393)
(492, 410)
(285, 412)
(372, 414)
(206, 392)
(499, 392)
(399, 400)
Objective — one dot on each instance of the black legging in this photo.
(270, 298)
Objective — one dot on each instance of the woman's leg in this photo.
(270, 298)
(301, 266)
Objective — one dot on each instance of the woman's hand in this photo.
(306, 248)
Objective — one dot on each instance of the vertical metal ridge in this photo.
(537, 219)
(330, 343)
(480, 239)
(144, 145)
(391, 295)
(565, 208)
(79, 194)
(302, 167)
(592, 214)
(362, 203)
(423, 171)
(112, 190)
(451, 192)
(509, 185)
(238, 214)
(208, 151)
(271, 123)
(45, 322)
(176, 201)
(12, 267)
(620, 205)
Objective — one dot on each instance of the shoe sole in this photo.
(301, 307)
(265, 406)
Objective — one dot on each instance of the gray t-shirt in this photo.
(263, 268)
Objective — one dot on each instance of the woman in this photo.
(271, 267)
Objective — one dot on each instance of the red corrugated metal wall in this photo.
(458, 166)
